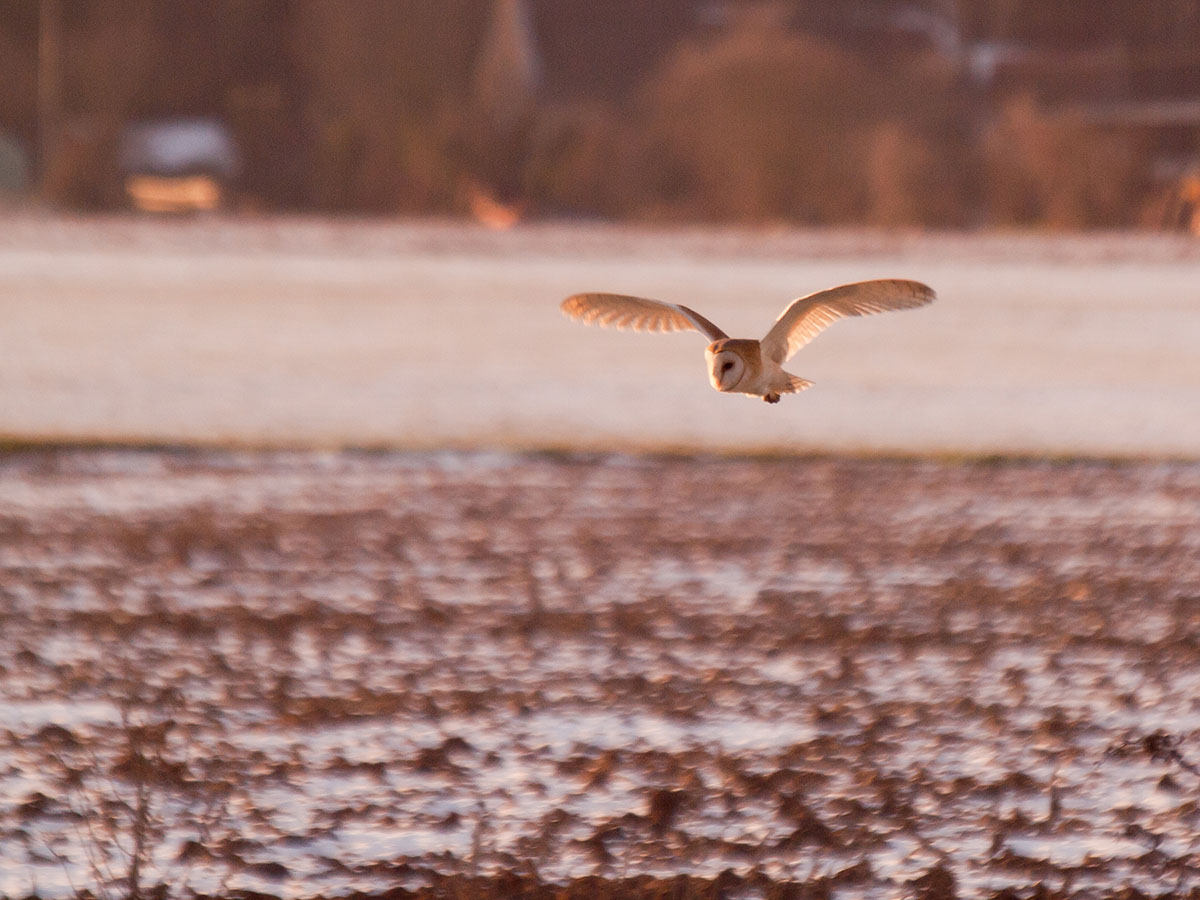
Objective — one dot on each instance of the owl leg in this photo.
(771, 397)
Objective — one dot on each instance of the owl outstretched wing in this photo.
(808, 316)
(638, 313)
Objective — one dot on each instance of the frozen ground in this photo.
(321, 673)
(434, 334)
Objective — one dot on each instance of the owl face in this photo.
(731, 361)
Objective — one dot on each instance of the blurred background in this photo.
(935, 113)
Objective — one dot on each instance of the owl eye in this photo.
(727, 366)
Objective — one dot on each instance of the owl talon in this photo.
(771, 398)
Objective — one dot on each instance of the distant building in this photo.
(178, 165)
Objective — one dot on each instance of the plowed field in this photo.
(471, 674)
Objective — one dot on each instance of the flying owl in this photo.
(746, 366)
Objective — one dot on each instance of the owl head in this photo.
(731, 360)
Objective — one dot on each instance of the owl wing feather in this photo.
(638, 313)
(808, 316)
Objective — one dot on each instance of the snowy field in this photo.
(327, 333)
(785, 677)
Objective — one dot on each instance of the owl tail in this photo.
(795, 384)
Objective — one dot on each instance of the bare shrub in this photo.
(79, 172)
(765, 123)
(380, 74)
(133, 809)
(911, 180)
(585, 158)
(108, 59)
(1061, 171)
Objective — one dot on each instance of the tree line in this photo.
(944, 113)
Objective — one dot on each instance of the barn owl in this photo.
(745, 366)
